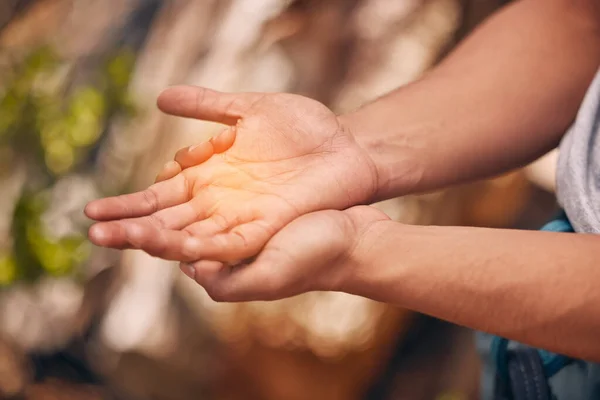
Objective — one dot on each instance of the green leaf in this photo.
(8, 269)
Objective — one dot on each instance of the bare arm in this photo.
(538, 288)
(503, 98)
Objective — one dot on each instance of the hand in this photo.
(313, 252)
(286, 156)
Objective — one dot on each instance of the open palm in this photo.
(290, 156)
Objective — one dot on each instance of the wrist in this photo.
(386, 259)
(361, 266)
(391, 154)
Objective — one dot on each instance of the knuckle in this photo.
(134, 233)
(189, 248)
(187, 186)
(236, 106)
(221, 221)
(188, 231)
(242, 239)
(151, 199)
(190, 253)
(200, 98)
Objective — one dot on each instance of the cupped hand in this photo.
(281, 156)
(315, 252)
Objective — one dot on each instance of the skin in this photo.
(229, 206)
(281, 195)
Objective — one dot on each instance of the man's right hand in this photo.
(286, 155)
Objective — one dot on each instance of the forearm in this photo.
(503, 98)
(538, 288)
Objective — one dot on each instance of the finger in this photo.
(166, 244)
(220, 222)
(117, 234)
(214, 238)
(194, 155)
(203, 269)
(157, 197)
(197, 154)
(206, 104)
(239, 243)
(183, 215)
(170, 169)
(108, 235)
(224, 140)
(262, 279)
(163, 243)
(211, 226)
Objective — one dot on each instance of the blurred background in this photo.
(78, 83)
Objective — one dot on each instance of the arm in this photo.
(538, 288)
(503, 98)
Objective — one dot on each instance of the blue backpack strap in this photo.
(526, 378)
(551, 363)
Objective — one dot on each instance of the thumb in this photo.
(256, 280)
(206, 104)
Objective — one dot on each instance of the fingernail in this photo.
(188, 270)
(97, 234)
(171, 164)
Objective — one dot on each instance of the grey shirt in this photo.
(578, 170)
(578, 192)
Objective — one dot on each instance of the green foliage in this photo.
(38, 121)
(52, 123)
(34, 252)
